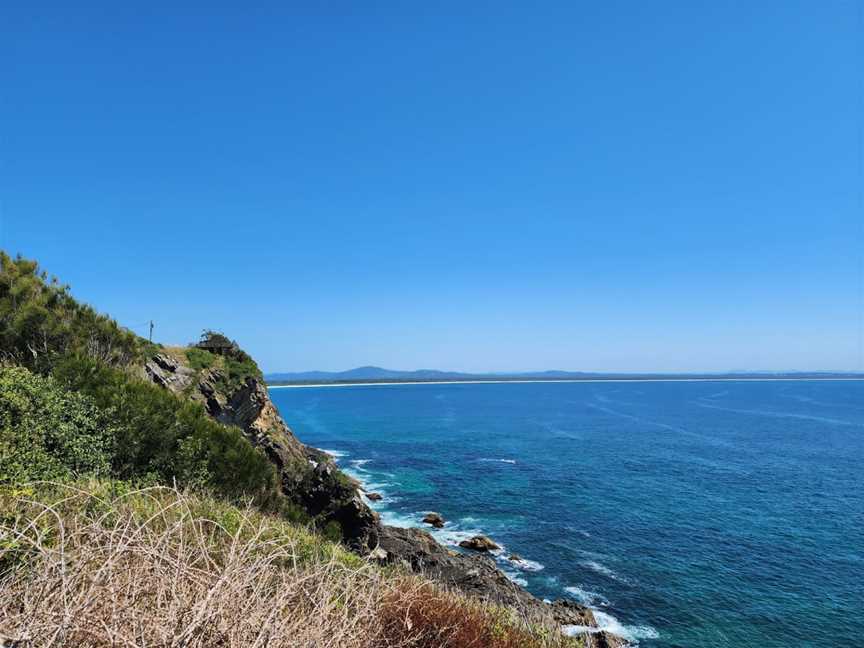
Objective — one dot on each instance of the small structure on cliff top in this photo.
(216, 342)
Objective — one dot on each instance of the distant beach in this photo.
(568, 380)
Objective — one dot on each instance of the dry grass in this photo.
(101, 565)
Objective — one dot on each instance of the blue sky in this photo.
(477, 186)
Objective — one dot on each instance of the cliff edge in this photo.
(235, 394)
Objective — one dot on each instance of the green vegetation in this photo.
(215, 349)
(97, 550)
(49, 433)
(40, 322)
(162, 438)
(90, 413)
(199, 359)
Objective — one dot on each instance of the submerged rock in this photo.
(514, 557)
(434, 519)
(375, 497)
(479, 543)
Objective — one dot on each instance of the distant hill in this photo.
(374, 374)
(369, 373)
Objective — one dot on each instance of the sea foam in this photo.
(603, 570)
(607, 622)
(336, 454)
(587, 597)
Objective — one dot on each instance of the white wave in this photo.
(392, 518)
(525, 565)
(452, 534)
(507, 461)
(632, 633)
(603, 570)
(359, 463)
(516, 578)
(587, 597)
(608, 623)
(336, 454)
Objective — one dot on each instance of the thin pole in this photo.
(151, 330)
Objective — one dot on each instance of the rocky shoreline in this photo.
(311, 478)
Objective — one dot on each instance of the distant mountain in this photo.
(367, 373)
(379, 373)
(371, 374)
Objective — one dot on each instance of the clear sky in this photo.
(468, 185)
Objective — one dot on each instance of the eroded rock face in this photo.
(308, 476)
(324, 491)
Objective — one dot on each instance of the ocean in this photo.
(692, 514)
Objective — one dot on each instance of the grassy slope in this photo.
(101, 564)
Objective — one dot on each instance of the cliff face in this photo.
(308, 476)
(313, 481)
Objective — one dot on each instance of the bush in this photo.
(48, 433)
(40, 322)
(200, 359)
(161, 437)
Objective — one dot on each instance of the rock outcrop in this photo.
(308, 476)
(479, 543)
(477, 576)
(434, 519)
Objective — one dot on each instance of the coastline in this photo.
(568, 380)
(607, 630)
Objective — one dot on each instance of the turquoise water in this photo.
(686, 513)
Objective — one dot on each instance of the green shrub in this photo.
(160, 435)
(200, 359)
(40, 322)
(48, 433)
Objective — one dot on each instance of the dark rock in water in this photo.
(477, 576)
(569, 613)
(479, 543)
(515, 557)
(434, 519)
(375, 497)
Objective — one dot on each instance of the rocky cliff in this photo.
(310, 478)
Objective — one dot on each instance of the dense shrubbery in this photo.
(47, 432)
(95, 420)
(41, 322)
(164, 438)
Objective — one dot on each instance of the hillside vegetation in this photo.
(131, 517)
(100, 564)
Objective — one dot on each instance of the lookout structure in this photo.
(217, 343)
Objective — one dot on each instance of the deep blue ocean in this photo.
(690, 514)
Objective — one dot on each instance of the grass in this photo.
(101, 564)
